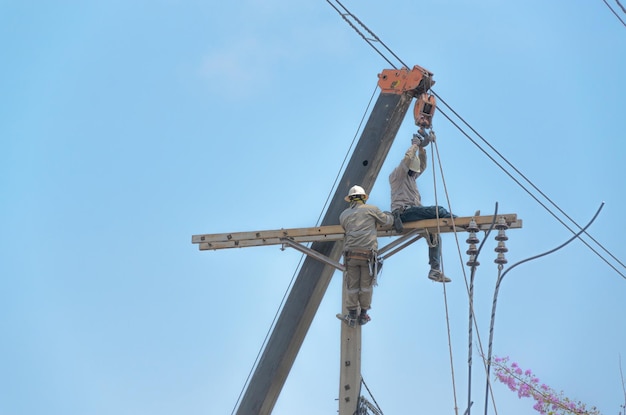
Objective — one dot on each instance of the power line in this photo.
(377, 40)
(533, 186)
(614, 12)
(347, 15)
(497, 289)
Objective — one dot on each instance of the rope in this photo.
(469, 288)
(445, 296)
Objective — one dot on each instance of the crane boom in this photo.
(314, 276)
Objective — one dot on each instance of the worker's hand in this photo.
(428, 138)
(416, 140)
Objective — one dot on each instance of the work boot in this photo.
(349, 319)
(364, 318)
(437, 276)
(397, 222)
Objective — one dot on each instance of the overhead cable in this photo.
(388, 60)
(528, 191)
(347, 15)
(501, 276)
(614, 12)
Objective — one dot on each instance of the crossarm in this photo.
(335, 232)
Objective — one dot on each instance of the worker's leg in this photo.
(352, 280)
(434, 258)
(365, 295)
(434, 250)
(414, 213)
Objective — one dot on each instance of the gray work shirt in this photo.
(359, 221)
(404, 190)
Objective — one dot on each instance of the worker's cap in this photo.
(415, 165)
(356, 191)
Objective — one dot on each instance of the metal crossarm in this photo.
(332, 233)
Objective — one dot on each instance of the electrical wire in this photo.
(472, 316)
(614, 12)
(269, 332)
(346, 15)
(369, 41)
(531, 184)
(388, 60)
(377, 39)
(501, 276)
(295, 273)
(345, 158)
(371, 395)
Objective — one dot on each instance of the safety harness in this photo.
(374, 262)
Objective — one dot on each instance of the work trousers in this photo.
(359, 284)
(413, 213)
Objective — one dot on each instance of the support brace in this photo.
(400, 243)
(312, 253)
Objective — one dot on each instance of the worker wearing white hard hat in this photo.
(360, 249)
(356, 191)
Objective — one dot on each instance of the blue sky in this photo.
(128, 126)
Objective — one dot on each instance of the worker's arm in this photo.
(410, 153)
(382, 218)
(422, 140)
(422, 156)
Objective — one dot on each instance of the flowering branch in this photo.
(527, 385)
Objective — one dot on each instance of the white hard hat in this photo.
(355, 191)
(415, 164)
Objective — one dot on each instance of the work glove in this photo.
(397, 221)
(416, 140)
(430, 137)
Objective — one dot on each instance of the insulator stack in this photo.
(501, 260)
(472, 241)
(501, 226)
(501, 236)
(472, 261)
(472, 227)
(472, 238)
(501, 247)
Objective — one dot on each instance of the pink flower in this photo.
(527, 385)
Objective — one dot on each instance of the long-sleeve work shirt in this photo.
(359, 221)
(404, 190)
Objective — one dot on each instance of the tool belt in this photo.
(365, 254)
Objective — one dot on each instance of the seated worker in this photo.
(406, 202)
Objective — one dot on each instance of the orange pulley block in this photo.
(424, 110)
